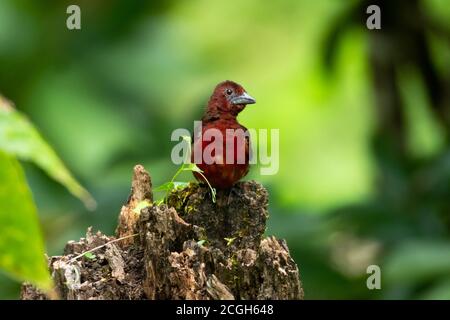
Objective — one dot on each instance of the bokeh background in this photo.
(363, 116)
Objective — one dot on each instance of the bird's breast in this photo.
(222, 153)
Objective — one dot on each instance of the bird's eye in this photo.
(229, 92)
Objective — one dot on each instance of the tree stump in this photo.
(189, 248)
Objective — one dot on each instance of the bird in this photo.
(223, 160)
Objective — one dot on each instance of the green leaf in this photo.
(201, 242)
(229, 240)
(20, 138)
(191, 167)
(180, 184)
(166, 186)
(90, 255)
(21, 242)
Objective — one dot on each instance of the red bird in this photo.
(223, 154)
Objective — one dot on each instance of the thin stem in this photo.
(188, 157)
(99, 247)
(213, 191)
(173, 179)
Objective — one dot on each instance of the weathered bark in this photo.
(141, 195)
(189, 248)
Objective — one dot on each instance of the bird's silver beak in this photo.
(244, 98)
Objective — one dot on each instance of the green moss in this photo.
(234, 261)
(178, 197)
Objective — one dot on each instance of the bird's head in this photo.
(229, 98)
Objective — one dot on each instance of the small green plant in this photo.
(141, 205)
(185, 166)
(229, 241)
(90, 255)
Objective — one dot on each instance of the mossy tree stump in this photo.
(189, 248)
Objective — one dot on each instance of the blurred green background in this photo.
(363, 116)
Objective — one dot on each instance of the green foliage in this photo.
(440, 291)
(185, 166)
(410, 262)
(170, 186)
(89, 255)
(19, 137)
(21, 243)
(229, 240)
